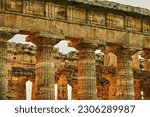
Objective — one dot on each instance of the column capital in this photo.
(119, 50)
(80, 44)
(43, 38)
(40, 41)
(86, 70)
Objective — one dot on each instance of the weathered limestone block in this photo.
(125, 81)
(115, 21)
(13, 5)
(76, 14)
(35, 7)
(133, 24)
(3, 65)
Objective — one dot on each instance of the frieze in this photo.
(82, 15)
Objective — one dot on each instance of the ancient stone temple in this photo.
(121, 33)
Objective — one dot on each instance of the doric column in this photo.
(45, 74)
(125, 81)
(62, 87)
(45, 80)
(3, 65)
(86, 72)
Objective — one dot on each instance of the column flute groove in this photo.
(86, 73)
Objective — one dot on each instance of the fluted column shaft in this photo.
(45, 80)
(125, 81)
(3, 66)
(86, 73)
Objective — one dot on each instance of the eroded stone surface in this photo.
(88, 25)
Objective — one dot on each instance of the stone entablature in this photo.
(115, 6)
(107, 14)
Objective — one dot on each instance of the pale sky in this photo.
(63, 47)
(137, 3)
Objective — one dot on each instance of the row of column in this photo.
(45, 74)
(86, 86)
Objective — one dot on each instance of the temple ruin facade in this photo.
(121, 71)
